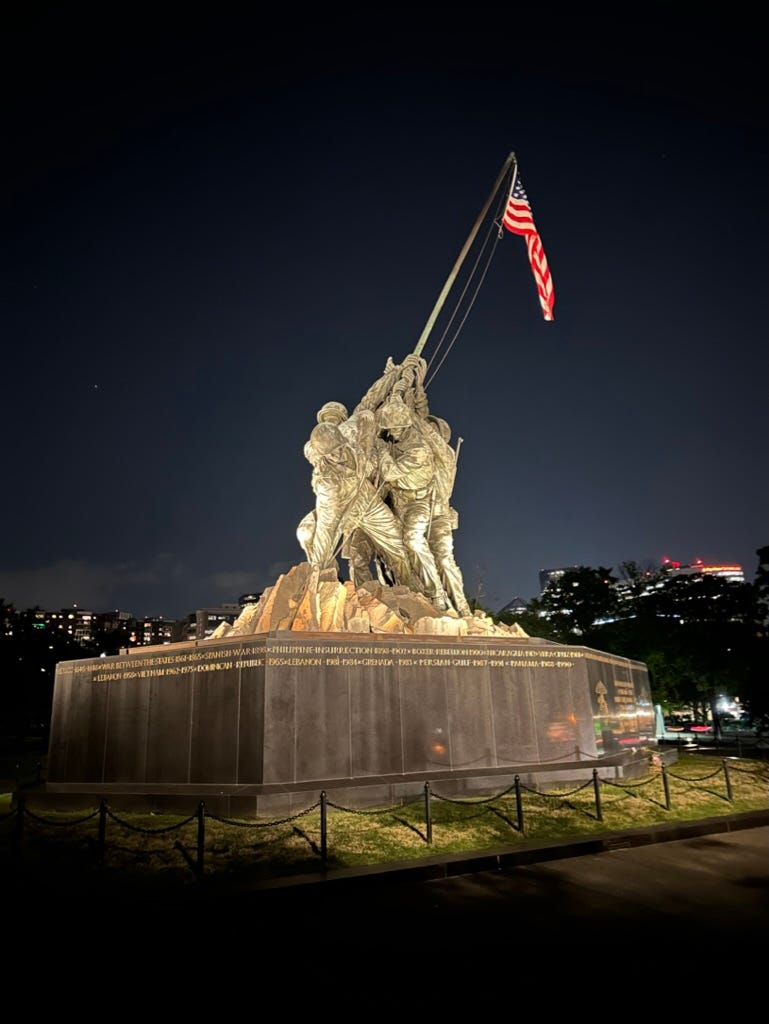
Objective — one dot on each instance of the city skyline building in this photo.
(84, 625)
(698, 567)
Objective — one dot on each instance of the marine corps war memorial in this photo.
(362, 671)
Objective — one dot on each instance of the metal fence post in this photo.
(597, 788)
(20, 809)
(102, 832)
(518, 803)
(666, 786)
(199, 865)
(428, 814)
(729, 795)
(323, 827)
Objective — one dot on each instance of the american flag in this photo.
(518, 219)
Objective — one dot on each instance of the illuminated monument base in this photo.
(262, 725)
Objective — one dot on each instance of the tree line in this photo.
(29, 653)
(701, 636)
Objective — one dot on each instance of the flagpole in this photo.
(460, 259)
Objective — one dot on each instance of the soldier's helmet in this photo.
(325, 438)
(443, 428)
(333, 412)
(394, 413)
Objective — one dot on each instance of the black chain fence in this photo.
(655, 789)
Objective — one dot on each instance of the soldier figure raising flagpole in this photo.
(383, 476)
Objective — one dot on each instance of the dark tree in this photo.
(29, 653)
(761, 584)
(578, 600)
(700, 636)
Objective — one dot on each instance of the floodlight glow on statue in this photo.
(383, 477)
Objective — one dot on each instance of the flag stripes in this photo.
(519, 220)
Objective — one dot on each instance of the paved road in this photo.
(616, 932)
(688, 899)
(717, 883)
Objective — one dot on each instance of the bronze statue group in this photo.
(383, 476)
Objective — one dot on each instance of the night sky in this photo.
(212, 228)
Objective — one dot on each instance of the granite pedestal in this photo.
(260, 725)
